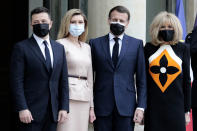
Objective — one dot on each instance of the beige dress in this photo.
(80, 91)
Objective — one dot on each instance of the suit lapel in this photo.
(55, 54)
(36, 49)
(34, 46)
(105, 44)
(123, 50)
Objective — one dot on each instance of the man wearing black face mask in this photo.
(116, 58)
(38, 74)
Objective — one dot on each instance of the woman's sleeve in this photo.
(186, 78)
(90, 79)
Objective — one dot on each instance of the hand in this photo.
(62, 116)
(92, 115)
(25, 116)
(142, 122)
(187, 118)
(138, 116)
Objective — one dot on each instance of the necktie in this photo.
(48, 58)
(115, 51)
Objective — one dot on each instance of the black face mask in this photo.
(117, 29)
(41, 30)
(166, 35)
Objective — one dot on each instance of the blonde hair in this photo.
(65, 23)
(159, 20)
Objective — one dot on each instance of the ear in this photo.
(31, 26)
(109, 21)
(50, 24)
(127, 23)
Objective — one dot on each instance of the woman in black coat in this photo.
(193, 52)
(168, 76)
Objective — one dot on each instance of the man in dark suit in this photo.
(39, 81)
(193, 51)
(117, 58)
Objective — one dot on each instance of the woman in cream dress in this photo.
(72, 34)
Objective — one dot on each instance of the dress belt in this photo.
(79, 77)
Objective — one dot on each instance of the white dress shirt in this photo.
(112, 42)
(42, 47)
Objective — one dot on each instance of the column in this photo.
(57, 8)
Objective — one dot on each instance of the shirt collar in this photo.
(40, 40)
(111, 36)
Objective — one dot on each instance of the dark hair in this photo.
(120, 9)
(40, 10)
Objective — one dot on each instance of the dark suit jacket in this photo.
(33, 87)
(193, 51)
(116, 86)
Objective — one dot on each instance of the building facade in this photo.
(142, 13)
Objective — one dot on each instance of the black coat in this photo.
(193, 51)
(33, 87)
(168, 86)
